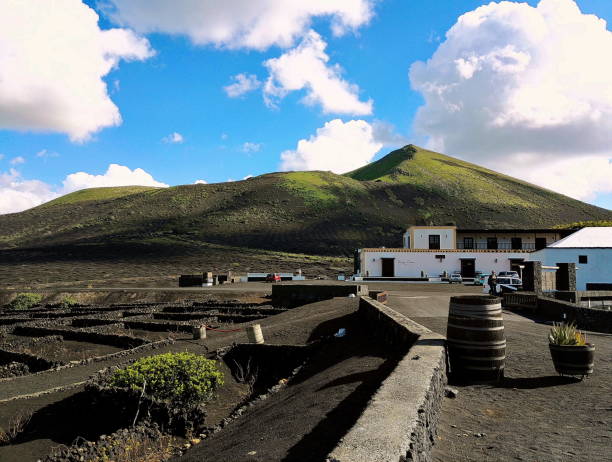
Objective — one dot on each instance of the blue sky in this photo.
(175, 84)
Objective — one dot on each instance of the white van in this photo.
(508, 282)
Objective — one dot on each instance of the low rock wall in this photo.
(585, 318)
(594, 319)
(292, 295)
(34, 363)
(400, 421)
(119, 341)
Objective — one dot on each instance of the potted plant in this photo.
(570, 352)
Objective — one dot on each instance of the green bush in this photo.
(24, 301)
(178, 377)
(68, 302)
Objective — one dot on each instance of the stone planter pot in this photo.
(573, 360)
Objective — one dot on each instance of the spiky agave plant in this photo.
(566, 334)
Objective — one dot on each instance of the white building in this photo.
(429, 251)
(590, 249)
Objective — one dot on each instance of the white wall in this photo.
(409, 264)
(598, 268)
(420, 237)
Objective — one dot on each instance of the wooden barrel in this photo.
(475, 338)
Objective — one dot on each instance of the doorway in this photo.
(540, 243)
(388, 267)
(468, 267)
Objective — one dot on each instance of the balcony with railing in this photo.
(497, 246)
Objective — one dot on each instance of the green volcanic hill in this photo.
(307, 212)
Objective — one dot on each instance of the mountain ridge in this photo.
(310, 212)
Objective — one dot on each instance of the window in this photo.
(540, 243)
(468, 242)
(583, 259)
(434, 241)
(492, 243)
(516, 243)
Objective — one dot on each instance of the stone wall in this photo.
(585, 318)
(400, 421)
(597, 320)
(119, 341)
(292, 295)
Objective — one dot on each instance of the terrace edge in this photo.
(407, 404)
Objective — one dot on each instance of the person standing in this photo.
(492, 283)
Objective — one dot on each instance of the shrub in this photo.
(566, 334)
(179, 377)
(68, 302)
(24, 301)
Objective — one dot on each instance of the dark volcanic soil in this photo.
(136, 265)
(304, 421)
(533, 415)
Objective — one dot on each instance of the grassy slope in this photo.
(97, 194)
(305, 212)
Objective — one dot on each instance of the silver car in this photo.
(455, 277)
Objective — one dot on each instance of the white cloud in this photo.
(17, 160)
(52, 61)
(251, 147)
(247, 177)
(243, 83)
(337, 146)
(173, 138)
(17, 194)
(200, 182)
(224, 136)
(517, 87)
(385, 133)
(45, 153)
(306, 68)
(256, 24)
(115, 175)
(581, 178)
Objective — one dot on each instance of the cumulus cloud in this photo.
(581, 178)
(243, 83)
(200, 182)
(173, 138)
(385, 133)
(17, 160)
(115, 175)
(256, 24)
(515, 85)
(305, 67)
(337, 146)
(52, 61)
(17, 194)
(249, 146)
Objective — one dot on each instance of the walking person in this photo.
(492, 283)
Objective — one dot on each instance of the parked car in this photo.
(508, 274)
(455, 277)
(480, 279)
(273, 277)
